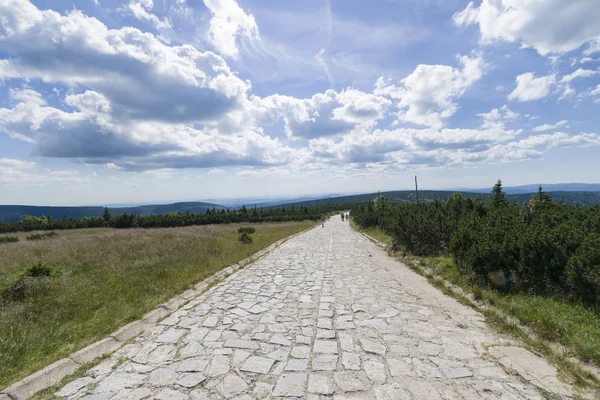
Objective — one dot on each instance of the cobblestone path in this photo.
(327, 315)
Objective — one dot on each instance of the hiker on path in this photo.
(323, 221)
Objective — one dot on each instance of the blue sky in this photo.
(142, 101)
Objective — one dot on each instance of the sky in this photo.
(142, 101)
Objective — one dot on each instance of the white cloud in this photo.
(228, 22)
(496, 118)
(140, 76)
(216, 171)
(550, 26)
(91, 135)
(530, 88)
(19, 172)
(141, 10)
(548, 127)
(579, 73)
(324, 114)
(427, 96)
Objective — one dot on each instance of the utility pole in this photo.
(417, 190)
(378, 207)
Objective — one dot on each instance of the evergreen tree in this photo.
(106, 215)
(498, 197)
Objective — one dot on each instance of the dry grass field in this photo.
(109, 278)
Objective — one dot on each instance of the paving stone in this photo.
(278, 338)
(325, 334)
(372, 347)
(351, 361)
(296, 365)
(375, 371)
(292, 385)
(231, 386)
(301, 352)
(192, 365)
(170, 394)
(393, 391)
(400, 367)
(162, 377)
(218, 366)
(240, 344)
(190, 380)
(259, 365)
(325, 347)
(324, 362)
(350, 381)
(320, 384)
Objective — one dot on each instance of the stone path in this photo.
(327, 315)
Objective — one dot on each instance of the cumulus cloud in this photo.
(228, 22)
(530, 88)
(324, 114)
(141, 77)
(141, 10)
(496, 118)
(92, 136)
(427, 96)
(552, 26)
(548, 127)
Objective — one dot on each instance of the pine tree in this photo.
(498, 197)
(106, 215)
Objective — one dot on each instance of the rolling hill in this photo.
(11, 213)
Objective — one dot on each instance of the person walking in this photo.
(323, 221)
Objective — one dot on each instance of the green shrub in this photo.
(8, 239)
(34, 281)
(38, 236)
(245, 238)
(247, 230)
(583, 271)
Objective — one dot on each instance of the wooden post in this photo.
(378, 207)
(417, 190)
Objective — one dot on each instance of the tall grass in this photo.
(110, 278)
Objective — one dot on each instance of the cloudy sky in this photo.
(139, 101)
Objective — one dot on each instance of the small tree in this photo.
(106, 216)
(498, 197)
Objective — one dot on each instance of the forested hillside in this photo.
(11, 213)
(399, 196)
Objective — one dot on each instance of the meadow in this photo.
(102, 279)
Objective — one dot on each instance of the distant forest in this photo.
(582, 199)
(10, 213)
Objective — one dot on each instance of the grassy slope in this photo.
(571, 325)
(111, 277)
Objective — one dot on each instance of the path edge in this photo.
(57, 371)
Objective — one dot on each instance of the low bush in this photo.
(246, 229)
(38, 236)
(34, 281)
(245, 238)
(8, 239)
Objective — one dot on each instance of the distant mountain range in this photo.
(584, 194)
(17, 213)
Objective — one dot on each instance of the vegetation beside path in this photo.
(63, 294)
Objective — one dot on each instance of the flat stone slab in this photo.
(532, 368)
(259, 365)
(292, 385)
